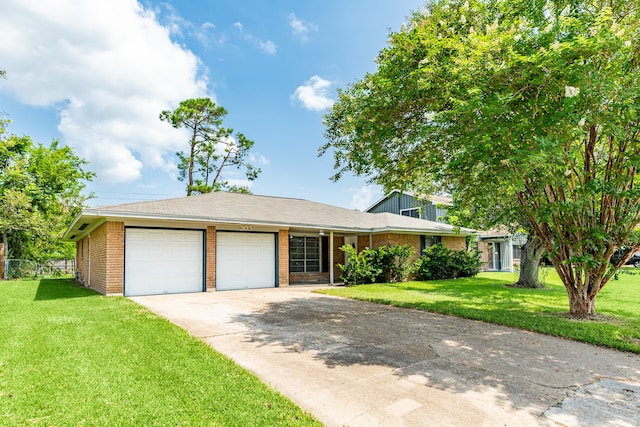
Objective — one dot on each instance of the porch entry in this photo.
(495, 258)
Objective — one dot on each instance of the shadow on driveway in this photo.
(517, 369)
(361, 364)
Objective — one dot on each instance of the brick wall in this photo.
(115, 257)
(455, 242)
(483, 248)
(82, 260)
(364, 241)
(338, 257)
(100, 259)
(283, 258)
(210, 275)
(302, 278)
(97, 259)
(398, 239)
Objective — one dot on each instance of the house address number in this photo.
(246, 228)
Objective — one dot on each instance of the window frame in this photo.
(404, 212)
(310, 264)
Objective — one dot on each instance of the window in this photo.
(304, 254)
(517, 252)
(426, 241)
(413, 213)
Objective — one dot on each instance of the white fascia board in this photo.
(73, 223)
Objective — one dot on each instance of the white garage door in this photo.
(245, 260)
(162, 261)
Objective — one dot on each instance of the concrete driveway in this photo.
(354, 363)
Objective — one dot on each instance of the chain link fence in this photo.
(21, 268)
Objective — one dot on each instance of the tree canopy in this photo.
(535, 102)
(212, 148)
(40, 193)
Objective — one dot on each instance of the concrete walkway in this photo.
(354, 363)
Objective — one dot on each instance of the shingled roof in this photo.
(235, 208)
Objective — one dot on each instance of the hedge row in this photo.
(391, 264)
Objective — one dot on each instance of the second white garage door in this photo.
(245, 260)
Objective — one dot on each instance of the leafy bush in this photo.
(438, 262)
(394, 261)
(387, 263)
(362, 266)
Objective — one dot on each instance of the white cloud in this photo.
(259, 159)
(361, 198)
(301, 28)
(266, 46)
(313, 94)
(240, 182)
(109, 68)
(177, 25)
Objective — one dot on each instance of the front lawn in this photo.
(488, 298)
(69, 357)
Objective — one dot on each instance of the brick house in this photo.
(499, 248)
(432, 208)
(224, 241)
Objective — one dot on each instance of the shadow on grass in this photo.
(52, 289)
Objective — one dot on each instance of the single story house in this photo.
(224, 241)
(500, 249)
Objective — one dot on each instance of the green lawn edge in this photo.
(69, 356)
(489, 298)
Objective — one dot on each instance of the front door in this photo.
(497, 256)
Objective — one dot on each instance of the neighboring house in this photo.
(499, 249)
(223, 241)
(410, 205)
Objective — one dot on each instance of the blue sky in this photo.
(96, 75)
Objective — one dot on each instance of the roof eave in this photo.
(97, 213)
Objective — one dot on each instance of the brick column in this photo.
(114, 258)
(283, 258)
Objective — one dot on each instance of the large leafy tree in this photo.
(492, 213)
(212, 148)
(40, 193)
(532, 101)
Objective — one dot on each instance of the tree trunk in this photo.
(2, 260)
(530, 263)
(580, 303)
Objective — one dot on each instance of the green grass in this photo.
(70, 357)
(488, 298)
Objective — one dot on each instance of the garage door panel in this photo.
(245, 260)
(163, 261)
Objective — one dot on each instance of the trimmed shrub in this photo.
(438, 262)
